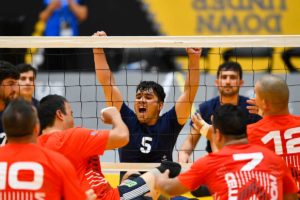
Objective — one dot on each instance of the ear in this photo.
(160, 105)
(217, 82)
(218, 136)
(241, 83)
(36, 130)
(59, 114)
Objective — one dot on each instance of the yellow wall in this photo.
(223, 17)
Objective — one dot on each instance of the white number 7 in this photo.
(255, 159)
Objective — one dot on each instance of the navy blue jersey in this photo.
(149, 143)
(207, 109)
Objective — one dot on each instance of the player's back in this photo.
(280, 134)
(83, 147)
(29, 171)
(241, 172)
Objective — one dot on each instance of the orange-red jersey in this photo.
(243, 171)
(83, 147)
(29, 171)
(280, 134)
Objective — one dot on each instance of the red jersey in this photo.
(241, 172)
(83, 147)
(280, 134)
(31, 172)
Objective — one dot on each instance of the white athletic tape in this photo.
(104, 109)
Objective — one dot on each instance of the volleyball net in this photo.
(162, 59)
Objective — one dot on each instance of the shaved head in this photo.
(273, 90)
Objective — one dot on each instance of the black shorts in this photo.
(133, 189)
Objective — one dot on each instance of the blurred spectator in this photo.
(62, 18)
(27, 83)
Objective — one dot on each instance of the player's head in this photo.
(9, 76)
(20, 120)
(55, 111)
(229, 78)
(229, 123)
(271, 94)
(149, 101)
(26, 81)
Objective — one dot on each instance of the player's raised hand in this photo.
(99, 34)
(253, 108)
(108, 114)
(194, 51)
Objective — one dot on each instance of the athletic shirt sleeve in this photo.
(87, 142)
(196, 175)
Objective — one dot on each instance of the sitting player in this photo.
(83, 146)
(239, 170)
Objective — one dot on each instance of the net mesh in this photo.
(70, 72)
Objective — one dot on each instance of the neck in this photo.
(52, 129)
(22, 140)
(231, 100)
(236, 141)
(284, 111)
(28, 98)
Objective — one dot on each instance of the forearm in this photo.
(190, 143)
(103, 73)
(192, 78)
(46, 13)
(80, 11)
(172, 187)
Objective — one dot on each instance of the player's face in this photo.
(8, 89)
(68, 117)
(26, 83)
(147, 107)
(228, 83)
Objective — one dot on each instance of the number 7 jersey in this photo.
(281, 134)
(241, 171)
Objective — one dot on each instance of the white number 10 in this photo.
(292, 145)
(13, 171)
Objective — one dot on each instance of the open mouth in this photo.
(142, 110)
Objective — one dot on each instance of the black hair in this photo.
(230, 66)
(22, 68)
(231, 121)
(19, 118)
(48, 107)
(8, 70)
(157, 89)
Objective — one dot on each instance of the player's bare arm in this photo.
(185, 101)
(119, 135)
(105, 77)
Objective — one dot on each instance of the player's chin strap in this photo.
(2, 139)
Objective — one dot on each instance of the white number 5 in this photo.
(146, 145)
(255, 159)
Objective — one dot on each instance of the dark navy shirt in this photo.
(207, 109)
(149, 143)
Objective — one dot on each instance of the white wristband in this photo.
(204, 129)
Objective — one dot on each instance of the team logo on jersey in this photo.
(93, 133)
(130, 183)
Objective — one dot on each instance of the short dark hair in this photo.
(48, 107)
(231, 121)
(22, 68)
(230, 66)
(157, 89)
(8, 70)
(19, 118)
